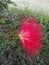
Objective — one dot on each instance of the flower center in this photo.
(21, 36)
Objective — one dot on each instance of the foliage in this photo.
(10, 50)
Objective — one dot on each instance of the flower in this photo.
(31, 35)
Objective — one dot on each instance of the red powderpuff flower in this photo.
(31, 35)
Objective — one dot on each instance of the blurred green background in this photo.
(10, 50)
